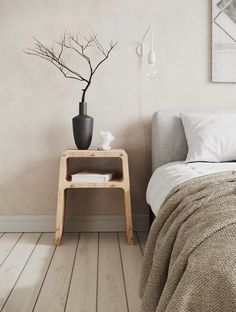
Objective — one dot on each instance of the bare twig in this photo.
(112, 46)
(71, 42)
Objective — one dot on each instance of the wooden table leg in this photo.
(60, 216)
(128, 217)
(126, 190)
(61, 200)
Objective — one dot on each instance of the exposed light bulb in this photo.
(151, 58)
(151, 70)
(148, 59)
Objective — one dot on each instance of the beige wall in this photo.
(37, 104)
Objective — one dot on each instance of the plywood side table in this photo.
(121, 183)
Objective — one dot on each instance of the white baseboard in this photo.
(73, 223)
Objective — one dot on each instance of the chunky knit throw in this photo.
(190, 257)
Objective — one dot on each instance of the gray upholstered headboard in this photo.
(168, 137)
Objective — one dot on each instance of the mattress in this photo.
(166, 177)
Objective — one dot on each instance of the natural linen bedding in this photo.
(190, 256)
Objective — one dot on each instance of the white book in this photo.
(91, 177)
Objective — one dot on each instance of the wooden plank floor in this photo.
(89, 272)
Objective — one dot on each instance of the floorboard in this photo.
(131, 260)
(12, 268)
(7, 243)
(111, 288)
(82, 295)
(26, 290)
(89, 272)
(142, 236)
(53, 295)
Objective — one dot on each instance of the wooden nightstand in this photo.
(65, 183)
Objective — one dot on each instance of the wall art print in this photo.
(223, 40)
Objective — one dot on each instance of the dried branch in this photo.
(112, 46)
(71, 42)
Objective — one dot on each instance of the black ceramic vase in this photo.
(82, 128)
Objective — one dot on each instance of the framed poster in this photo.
(223, 40)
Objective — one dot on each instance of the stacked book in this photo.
(92, 177)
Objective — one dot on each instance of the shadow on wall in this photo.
(137, 144)
(34, 186)
(31, 177)
(32, 190)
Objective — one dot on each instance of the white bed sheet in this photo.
(166, 177)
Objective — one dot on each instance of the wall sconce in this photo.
(148, 55)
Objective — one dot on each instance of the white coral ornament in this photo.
(107, 138)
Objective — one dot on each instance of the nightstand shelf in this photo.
(118, 183)
(121, 183)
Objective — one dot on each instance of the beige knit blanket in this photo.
(190, 257)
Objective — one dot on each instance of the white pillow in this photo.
(210, 137)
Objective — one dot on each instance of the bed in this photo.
(190, 256)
